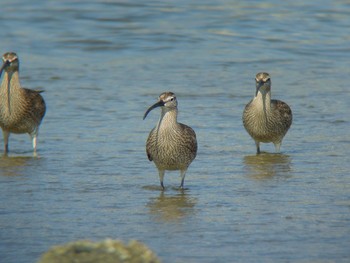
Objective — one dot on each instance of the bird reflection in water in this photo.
(171, 208)
(266, 165)
(14, 166)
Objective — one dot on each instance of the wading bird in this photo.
(264, 119)
(21, 110)
(170, 145)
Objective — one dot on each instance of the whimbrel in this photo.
(171, 145)
(21, 110)
(264, 119)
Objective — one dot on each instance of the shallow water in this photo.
(102, 63)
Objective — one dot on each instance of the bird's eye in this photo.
(172, 99)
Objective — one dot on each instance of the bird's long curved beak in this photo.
(8, 86)
(157, 104)
(258, 87)
(3, 66)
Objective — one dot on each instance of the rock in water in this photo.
(107, 251)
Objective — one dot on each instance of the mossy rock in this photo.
(107, 251)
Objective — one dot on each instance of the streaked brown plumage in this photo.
(171, 145)
(264, 119)
(21, 110)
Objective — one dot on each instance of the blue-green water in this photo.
(102, 63)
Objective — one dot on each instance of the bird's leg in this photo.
(257, 147)
(161, 178)
(6, 136)
(277, 146)
(34, 142)
(34, 137)
(183, 173)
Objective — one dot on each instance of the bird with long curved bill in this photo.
(21, 110)
(266, 120)
(170, 145)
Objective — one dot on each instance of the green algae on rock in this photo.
(107, 251)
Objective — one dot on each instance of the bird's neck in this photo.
(168, 119)
(10, 80)
(10, 90)
(262, 101)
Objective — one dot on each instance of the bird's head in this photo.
(263, 83)
(167, 100)
(10, 62)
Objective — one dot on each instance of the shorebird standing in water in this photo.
(264, 119)
(171, 145)
(21, 110)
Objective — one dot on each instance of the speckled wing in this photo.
(285, 112)
(149, 144)
(189, 137)
(245, 113)
(36, 104)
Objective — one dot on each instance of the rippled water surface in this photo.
(102, 63)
